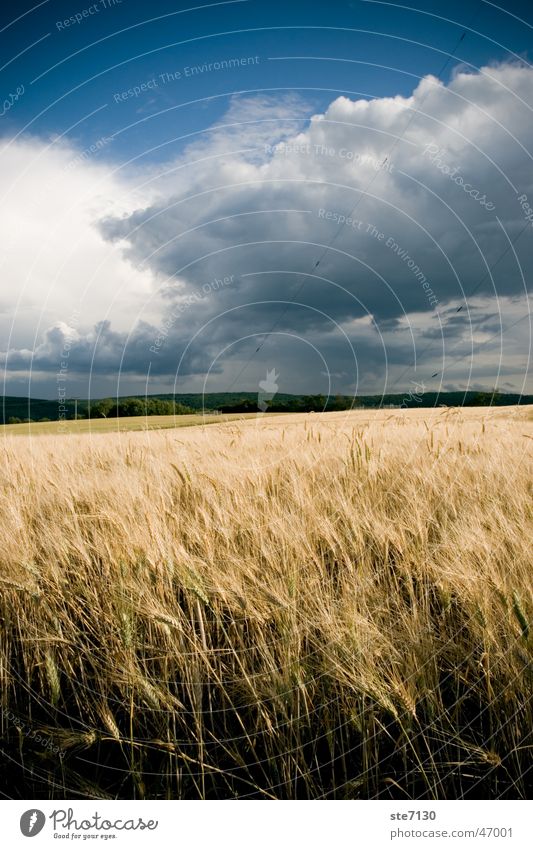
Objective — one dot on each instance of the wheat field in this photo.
(302, 606)
(117, 425)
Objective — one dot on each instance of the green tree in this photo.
(486, 399)
(132, 407)
(101, 409)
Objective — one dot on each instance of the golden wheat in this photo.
(302, 606)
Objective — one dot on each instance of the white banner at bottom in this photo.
(276, 825)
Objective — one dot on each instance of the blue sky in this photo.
(150, 120)
(74, 70)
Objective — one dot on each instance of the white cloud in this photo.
(54, 259)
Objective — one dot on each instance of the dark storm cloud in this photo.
(409, 236)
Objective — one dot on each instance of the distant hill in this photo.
(13, 407)
(20, 408)
(301, 403)
(217, 400)
(284, 402)
(227, 401)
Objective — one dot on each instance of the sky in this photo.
(197, 195)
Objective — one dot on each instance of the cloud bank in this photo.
(351, 238)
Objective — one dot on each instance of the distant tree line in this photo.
(298, 404)
(112, 408)
(319, 403)
(15, 410)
